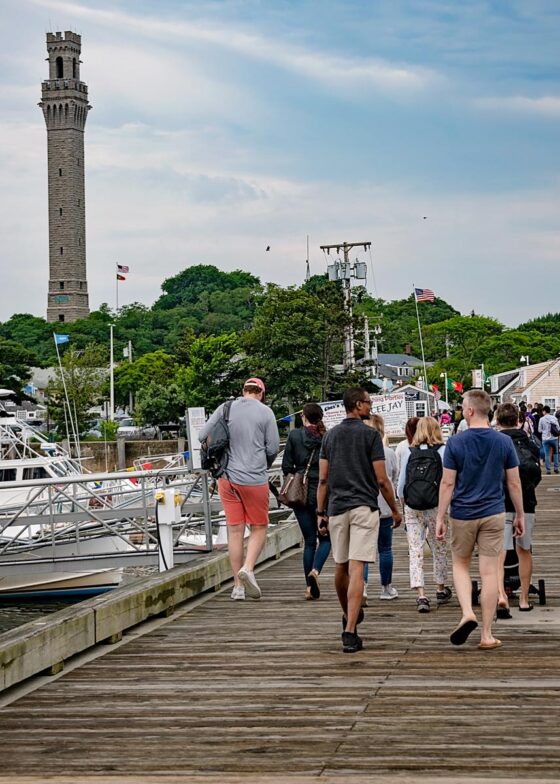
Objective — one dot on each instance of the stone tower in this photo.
(65, 107)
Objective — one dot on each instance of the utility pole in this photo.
(345, 271)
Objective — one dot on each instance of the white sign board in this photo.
(393, 410)
(391, 407)
(333, 413)
(196, 419)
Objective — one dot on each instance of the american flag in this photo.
(424, 295)
(122, 268)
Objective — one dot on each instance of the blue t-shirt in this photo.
(480, 456)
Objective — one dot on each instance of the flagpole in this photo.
(112, 377)
(66, 403)
(117, 286)
(420, 334)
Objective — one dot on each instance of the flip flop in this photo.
(527, 609)
(489, 646)
(461, 633)
(503, 613)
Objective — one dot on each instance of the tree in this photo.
(157, 367)
(216, 370)
(192, 283)
(32, 333)
(460, 338)
(15, 365)
(295, 339)
(85, 374)
(399, 322)
(157, 404)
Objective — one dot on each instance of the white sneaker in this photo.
(388, 592)
(238, 593)
(249, 583)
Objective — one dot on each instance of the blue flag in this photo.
(60, 339)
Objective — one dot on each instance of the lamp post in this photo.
(444, 376)
(524, 358)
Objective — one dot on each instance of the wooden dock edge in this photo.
(43, 645)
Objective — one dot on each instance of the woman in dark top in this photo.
(303, 444)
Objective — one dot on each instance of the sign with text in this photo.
(393, 410)
(391, 407)
(196, 419)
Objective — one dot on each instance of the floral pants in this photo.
(421, 526)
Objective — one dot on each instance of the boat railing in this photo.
(70, 515)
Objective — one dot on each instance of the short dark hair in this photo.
(546, 409)
(507, 415)
(352, 397)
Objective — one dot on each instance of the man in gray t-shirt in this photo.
(243, 490)
(351, 473)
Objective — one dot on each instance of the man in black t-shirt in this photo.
(351, 474)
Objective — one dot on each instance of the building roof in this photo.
(400, 359)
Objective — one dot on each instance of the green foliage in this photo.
(399, 322)
(195, 283)
(503, 352)
(15, 365)
(32, 333)
(157, 367)
(295, 339)
(460, 337)
(545, 325)
(215, 371)
(108, 429)
(84, 376)
(157, 404)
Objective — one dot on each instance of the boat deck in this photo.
(260, 691)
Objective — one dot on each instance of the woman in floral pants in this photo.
(420, 525)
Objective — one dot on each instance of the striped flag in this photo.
(424, 295)
(122, 268)
(120, 277)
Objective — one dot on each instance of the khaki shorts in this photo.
(486, 532)
(354, 535)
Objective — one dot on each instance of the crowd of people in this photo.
(480, 484)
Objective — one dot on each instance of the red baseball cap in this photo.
(256, 382)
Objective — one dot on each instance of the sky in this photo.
(429, 128)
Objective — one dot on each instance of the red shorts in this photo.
(244, 503)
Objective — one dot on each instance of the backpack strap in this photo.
(226, 409)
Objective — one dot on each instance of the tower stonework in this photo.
(65, 107)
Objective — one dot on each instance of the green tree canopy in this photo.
(15, 365)
(157, 404)
(216, 370)
(84, 375)
(157, 367)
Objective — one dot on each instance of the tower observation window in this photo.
(59, 67)
(61, 316)
(74, 69)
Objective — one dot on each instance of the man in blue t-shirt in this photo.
(473, 470)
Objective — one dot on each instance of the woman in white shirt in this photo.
(420, 524)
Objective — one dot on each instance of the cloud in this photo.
(544, 106)
(339, 72)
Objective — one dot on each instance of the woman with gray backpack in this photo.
(418, 488)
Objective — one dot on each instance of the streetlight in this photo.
(524, 358)
(444, 375)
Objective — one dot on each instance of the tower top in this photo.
(69, 36)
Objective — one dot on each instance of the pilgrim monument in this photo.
(65, 107)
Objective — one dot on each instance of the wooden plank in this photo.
(260, 691)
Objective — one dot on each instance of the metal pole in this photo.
(420, 334)
(112, 378)
(130, 395)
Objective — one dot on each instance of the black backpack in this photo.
(214, 450)
(423, 476)
(530, 472)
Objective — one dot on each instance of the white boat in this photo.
(26, 456)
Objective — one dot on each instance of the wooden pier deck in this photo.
(260, 691)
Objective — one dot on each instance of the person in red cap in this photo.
(243, 488)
